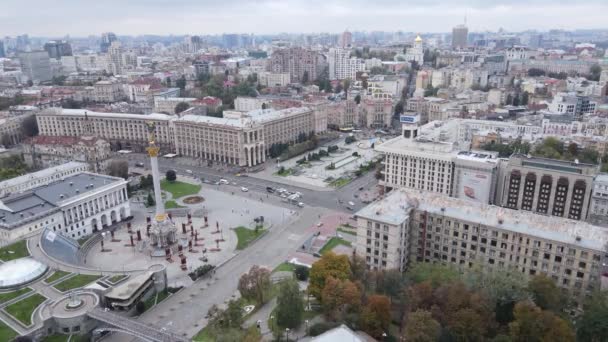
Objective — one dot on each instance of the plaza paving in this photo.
(226, 209)
(315, 172)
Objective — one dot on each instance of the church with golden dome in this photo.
(416, 52)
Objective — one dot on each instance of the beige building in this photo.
(376, 113)
(123, 131)
(10, 129)
(167, 105)
(108, 91)
(408, 226)
(241, 138)
(48, 151)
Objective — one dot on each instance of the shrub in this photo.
(301, 273)
(200, 271)
(140, 307)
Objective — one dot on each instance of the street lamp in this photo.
(286, 334)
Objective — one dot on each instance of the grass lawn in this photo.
(284, 267)
(284, 173)
(179, 189)
(347, 231)
(76, 281)
(6, 333)
(56, 338)
(332, 243)
(6, 296)
(246, 235)
(204, 335)
(56, 275)
(115, 279)
(22, 310)
(340, 182)
(14, 251)
(158, 297)
(171, 204)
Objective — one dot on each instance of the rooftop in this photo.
(64, 140)
(89, 113)
(41, 174)
(395, 208)
(32, 204)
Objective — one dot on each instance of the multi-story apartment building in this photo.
(36, 65)
(48, 151)
(574, 105)
(123, 131)
(460, 37)
(342, 66)
(74, 206)
(408, 226)
(598, 207)
(296, 61)
(376, 113)
(108, 91)
(546, 186)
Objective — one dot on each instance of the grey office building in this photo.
(36, 65)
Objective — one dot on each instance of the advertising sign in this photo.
(408, 118)
(474, 186)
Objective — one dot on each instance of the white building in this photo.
(516, 53)
(74, 206)
(246, 104)
(416, 52)
(342, 66)
(43, 177)
(167, 105)
(598, 208)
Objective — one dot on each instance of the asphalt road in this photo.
(185, 311)
(333, 199)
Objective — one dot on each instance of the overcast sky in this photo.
(132, 17)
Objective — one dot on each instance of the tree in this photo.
(150, 202)
(532, 324)
(30, 83)
(376, 315)
(358, 99)
(546, 294)
(171, 176)
(330, 265)
(421, 327)
(182, 106)
(181, 83)
(399, 108)
(264, 106)
(252, 334)
(256, 284)
(290, 305)
(525, 97)
(301, 272)
(140, 307)
(591, 326)
(339, 297)
(29, 126)
(119, 168)
(305, 77)
(168, 81)
(6, 140)
(436, 274)
(534, 72)
(467, 325)
(595, 72)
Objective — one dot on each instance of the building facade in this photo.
(48, 151)
(36, 65)
(546, 186)
(43, 177)
(299, 62)
(409, 226)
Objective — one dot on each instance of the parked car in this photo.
(244, 189)
(301, 205)
(189, 172)
(140, 164)
(223, 181)
(269, 189)
(351, 203)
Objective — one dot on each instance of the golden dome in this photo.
(418, 39)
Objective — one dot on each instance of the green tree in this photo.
(330, 265)
(339, 297)
(436, 274)
(595, 72)
(181, 83)
(290, 305)
(546, 294)
(421, 327)
(150, 202)
(358, 99)
(399, 108)
(256, 284)
(532, 324)
(119, 168)
(171, 176)
(376, 316)
(305, 77)
(182, 106)
(29, 126)
(591, 326)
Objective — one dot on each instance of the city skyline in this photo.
(294, 16)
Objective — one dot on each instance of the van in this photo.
(189, 172)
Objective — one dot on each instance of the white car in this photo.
(223, 181)
(189, 172)
(244, 189)
(301, 205)
(351, 203)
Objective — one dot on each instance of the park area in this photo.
(23, 309)
(334, 165)
(15, 251)
(75, 282)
